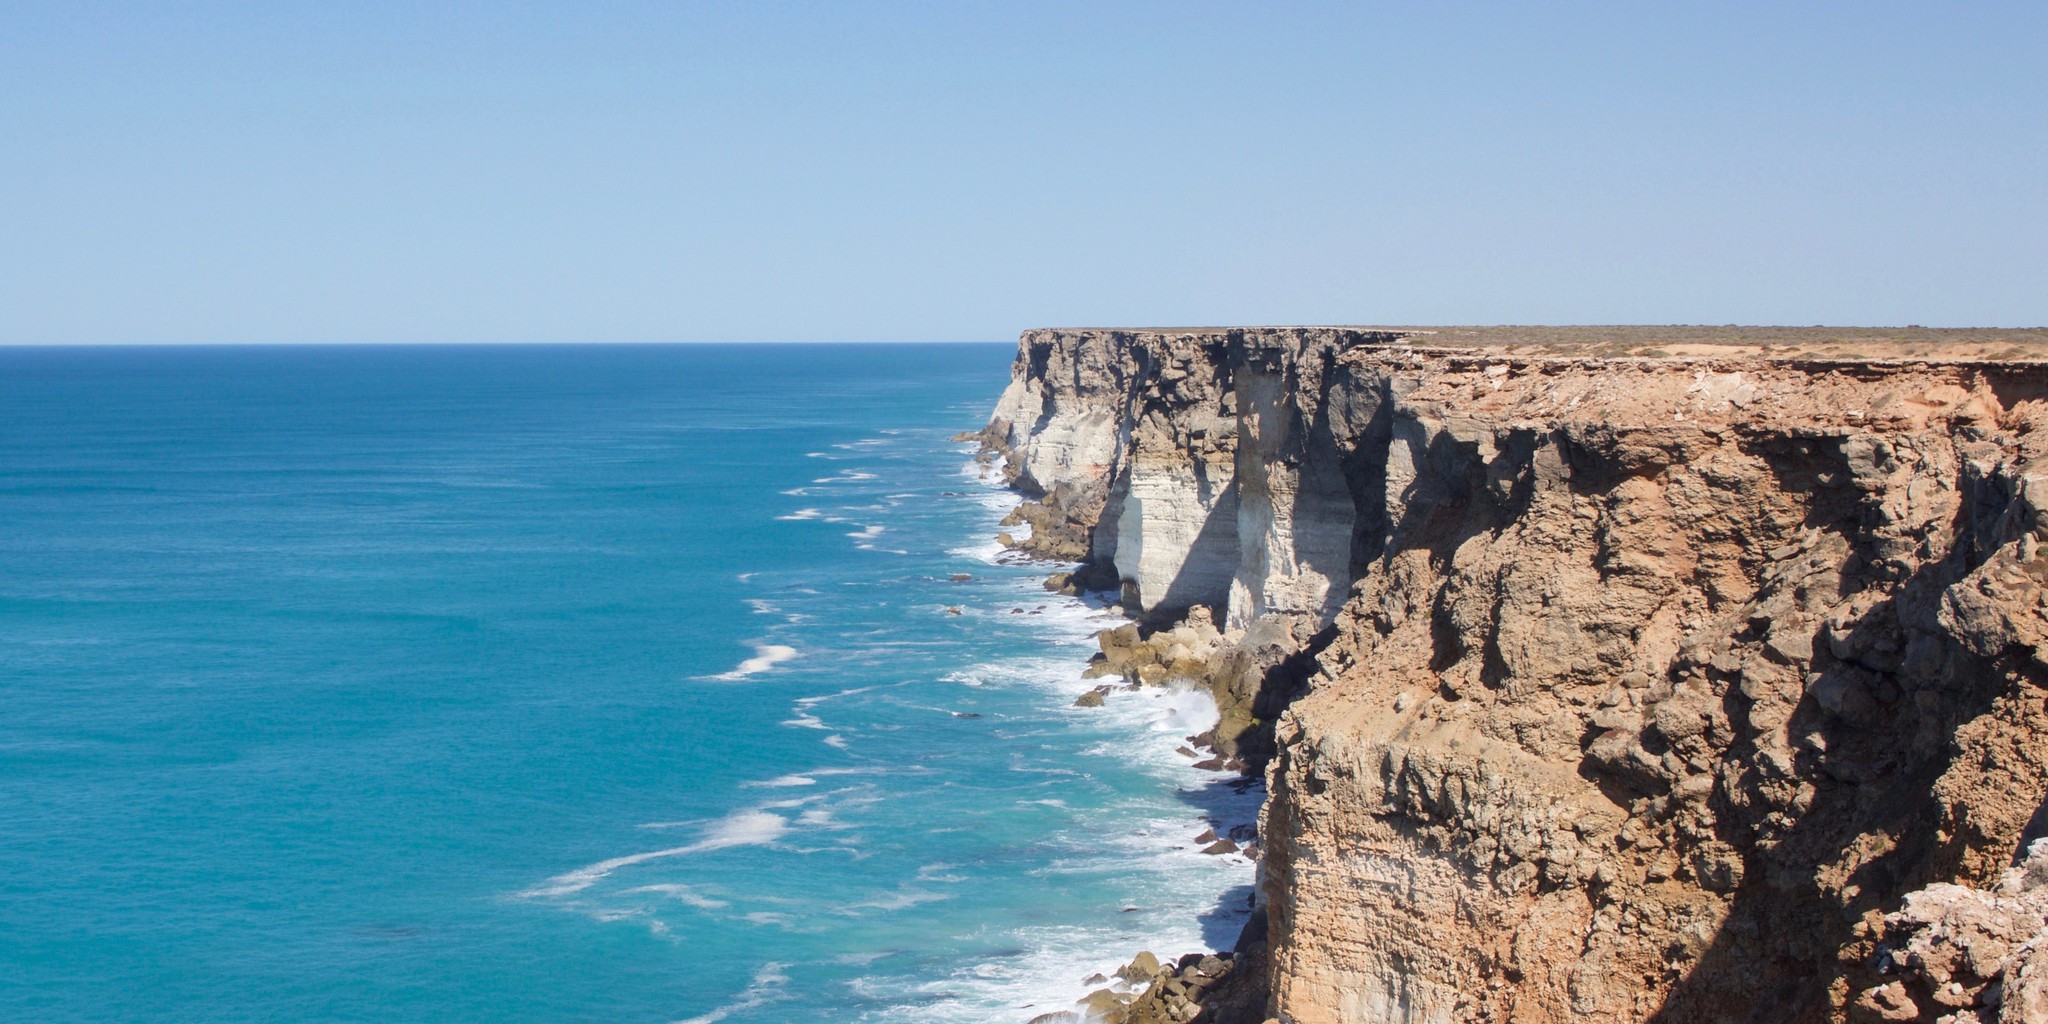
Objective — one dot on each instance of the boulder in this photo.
(1143, 967)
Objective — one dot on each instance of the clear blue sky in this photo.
(271, 172)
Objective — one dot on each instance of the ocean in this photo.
(559, 683)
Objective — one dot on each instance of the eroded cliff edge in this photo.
(1607, 676)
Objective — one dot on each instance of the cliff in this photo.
(1596, 674)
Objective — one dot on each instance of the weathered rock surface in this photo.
(1606, 689)
(1959, 954)
(1197, 989)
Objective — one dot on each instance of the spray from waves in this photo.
(768, 986)
(988, 552)
(766, 656)
(751, 827)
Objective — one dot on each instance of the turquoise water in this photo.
(556, 684)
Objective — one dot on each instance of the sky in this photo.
(507, 171)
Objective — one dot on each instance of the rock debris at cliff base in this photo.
(1598, 674)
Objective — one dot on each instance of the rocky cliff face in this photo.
(1589, 685)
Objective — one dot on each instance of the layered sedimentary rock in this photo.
(1616, 675)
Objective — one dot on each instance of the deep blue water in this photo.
(601, 683)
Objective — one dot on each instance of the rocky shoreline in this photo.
(1603, 674)
(1197, 987)
(1214, 987)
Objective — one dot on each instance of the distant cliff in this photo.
(1597, 674)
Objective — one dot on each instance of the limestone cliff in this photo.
(1597, 674)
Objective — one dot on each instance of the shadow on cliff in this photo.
(1204, 576)
(1229, 803)
(1874, 731)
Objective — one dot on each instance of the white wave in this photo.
(901, 899)
(679, 893)
(1148, 839)
(766, 656)
(784, 782)
(1143, 841)
(939, 872)
(997, 500)
(766, 987)
(1047, 969)
(751, 827)
(988, 551)
(811, 702)
(762, 606)
(845, 476)
(800, 515)
(1006, 988)
(810, 777)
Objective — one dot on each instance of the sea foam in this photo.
(750, 827)
(767, 986)
(766, 656)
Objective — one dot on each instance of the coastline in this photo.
(1082, 821)
(1593, 675)
(1161, 982)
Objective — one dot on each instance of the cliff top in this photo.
(1963, 344)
